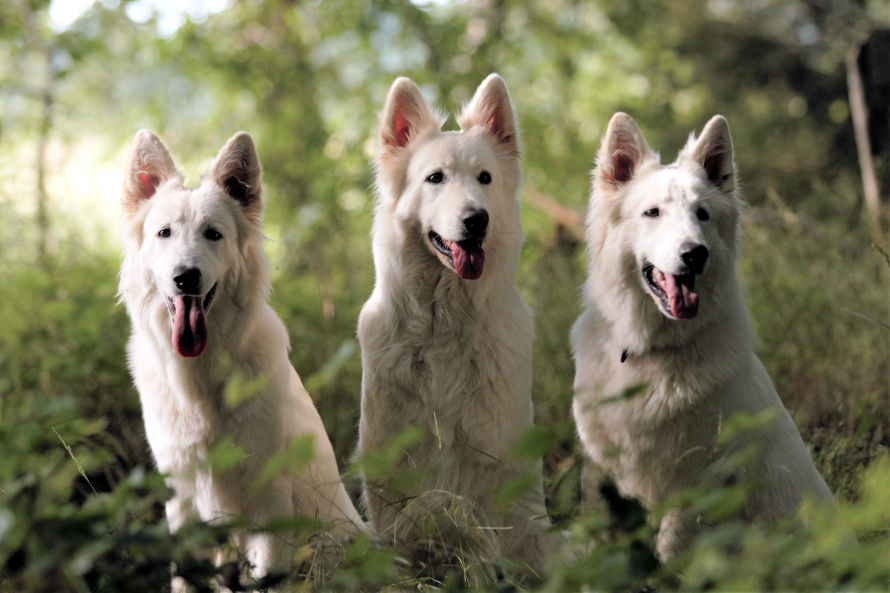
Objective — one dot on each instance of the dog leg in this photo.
(675, 532)
(265, 553)
(178, 511)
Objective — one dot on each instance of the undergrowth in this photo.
(81, 507)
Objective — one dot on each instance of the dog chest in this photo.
(461, 375)
(179, 432)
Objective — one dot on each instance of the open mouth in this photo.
(190, 322)
(466, 257)
(675, 292)
(206, 300)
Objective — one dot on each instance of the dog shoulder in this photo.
(519, 313)
(370, 318)
(584, 332)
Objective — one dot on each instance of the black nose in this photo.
(695, 256)
(188, 280)
(475, 221)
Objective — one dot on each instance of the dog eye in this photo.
(164, 233)
(652, 213)
(436, 177)
(211, 234)
(702, 214)
(484, 177)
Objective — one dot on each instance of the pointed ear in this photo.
(713, 152)
(237, 170)
(405, 116)
(148, 166)
(622, 151)
(491, 109)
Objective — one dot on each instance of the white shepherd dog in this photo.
(663, 311)
(196, 283)
(446, 338)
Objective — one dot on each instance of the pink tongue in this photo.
(189, 326)
(684, 302)
(467, 264)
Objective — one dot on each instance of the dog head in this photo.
(188, 243)
(674, 225)
(454, 189)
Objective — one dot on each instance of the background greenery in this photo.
(80, 504)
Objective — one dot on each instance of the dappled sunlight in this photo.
(83, 182)
(169, 14)
(85, 186)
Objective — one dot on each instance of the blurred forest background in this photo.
(79, 503)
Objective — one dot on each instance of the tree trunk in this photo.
(859, 113)
(44, 129)
(46, 105)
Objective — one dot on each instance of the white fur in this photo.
(183, 402)
(449, 355)
(697, 372)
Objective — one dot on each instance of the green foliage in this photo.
(740, 423)
(297, 456)
(80, 507)
(225, 455)
(240, 388)
(819, 553)
(366, 566)
(384, 462)
(510, 492)
(53, 537)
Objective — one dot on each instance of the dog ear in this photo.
(405, 116)
(148, 166)
(237, 170)
(491, 109)
(713, 152)
(622, 150)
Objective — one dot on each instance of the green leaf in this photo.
(625, 394)
(240, 388)
(299, 453)
(534, 442)
(385, 460)
(514, 489)
(741, 423)
(225, 455)
(331, 368)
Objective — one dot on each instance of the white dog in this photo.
(195, 283)
(446, 338)
(663, 312)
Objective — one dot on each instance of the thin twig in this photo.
(868, 318)
(564, 216)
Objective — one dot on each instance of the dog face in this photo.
(189, 239)
(455, 187)
(676, 223)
